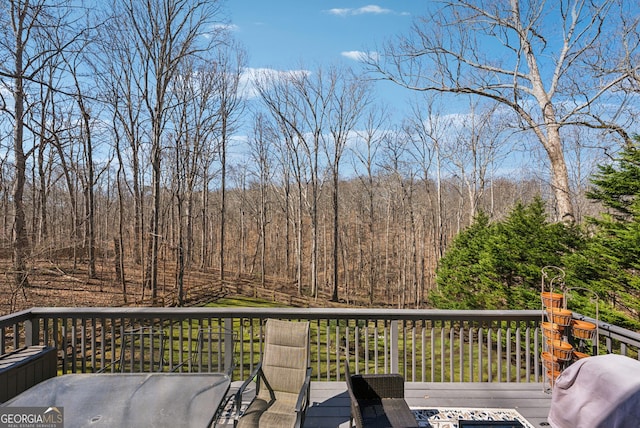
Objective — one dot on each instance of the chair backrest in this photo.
(142, 350)
(215, 351)
(286, 355)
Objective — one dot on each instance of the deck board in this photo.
(330, 401)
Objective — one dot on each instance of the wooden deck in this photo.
(330, 402)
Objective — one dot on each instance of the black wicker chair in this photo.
(377, 401)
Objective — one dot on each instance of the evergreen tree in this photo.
(610, 263)
(499, 266)
(459, 276)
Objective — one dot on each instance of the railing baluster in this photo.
(480, 347)
(508, 361)
(471, 359)
(490, 354)
(433, 352)
(83, 344)
(442, 356)
(451, 353)
(498, 354)
(423, 352)
(527, 361)
(328, 348)
(536, 354)
(386, 347)
(375, 348)
(461, 353)
(413, 353)
(16, 336)
(319, 347)
(518, 354)
(356, 343)
(366, 346)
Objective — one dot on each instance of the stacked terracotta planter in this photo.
(560, 325)
(558, 352)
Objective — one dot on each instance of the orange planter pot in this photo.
(559, 316)
(550, 361)
(552, 300)
(562, 350)
(583, 329)
(551, 330)
(553, 374)
(579, 355)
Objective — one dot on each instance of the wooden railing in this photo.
(422, 345)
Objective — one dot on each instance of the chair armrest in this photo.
(303, 395)
(238, 395)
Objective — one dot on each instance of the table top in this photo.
(130, 399)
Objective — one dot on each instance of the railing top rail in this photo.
(16, 317)
(302, 313)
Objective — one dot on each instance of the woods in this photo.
(136, 132)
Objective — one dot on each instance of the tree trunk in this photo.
(19, 238)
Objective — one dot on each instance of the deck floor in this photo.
(330, 406)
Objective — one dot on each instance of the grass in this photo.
(244, 302)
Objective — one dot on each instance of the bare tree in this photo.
(502, 50)
(22, 56)
(300, 103)
(191, 121)
(119, 76)
(366, 156)
(86, 136)
(474, 148)
(164, 36)
(230, 63)
(263, 137)
(427, 128)
(348, 101)
(402, 176)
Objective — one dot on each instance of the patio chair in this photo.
(282, 378)
(215, 351)
(142, 350)
(377, 401)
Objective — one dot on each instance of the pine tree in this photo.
(459, 276)
(498, 266)
(610, 263)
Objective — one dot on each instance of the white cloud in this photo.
(372, 8)
(226, 27)
(250, 75)
(369, 9)
(221, 28)
(339, 12)
(360, 55)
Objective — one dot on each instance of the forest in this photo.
(134, 135)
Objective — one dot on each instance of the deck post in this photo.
(228, 343)
(394, 342)
(32, 332)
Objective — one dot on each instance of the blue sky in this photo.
(286, 33)
(294, 34)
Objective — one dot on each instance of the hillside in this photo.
(63, 284)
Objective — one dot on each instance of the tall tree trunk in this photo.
(19, 232)
(223, 196)
(336, 226)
